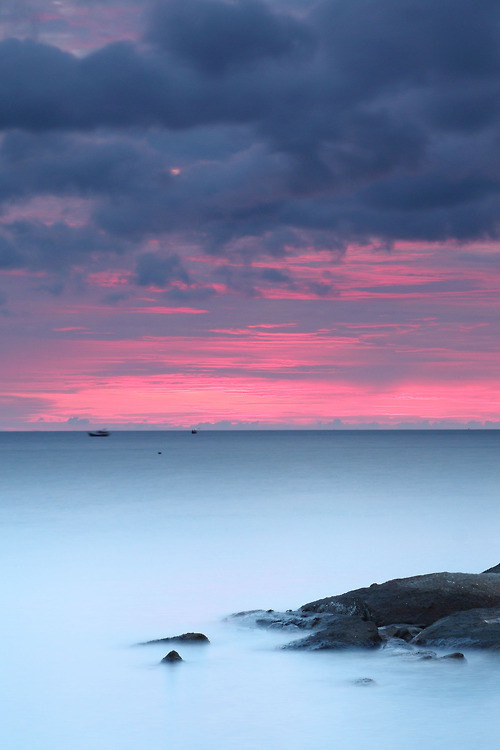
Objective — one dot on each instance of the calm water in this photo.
(105, 543)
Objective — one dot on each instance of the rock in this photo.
(432, 656)
(288, 620)
(364, 682)
(495, 569)
(455, 656)
(474, 628)
(407, 652)
(184, 638)
(419, 600)
(172, 657)
(401, 632)
(344, 632)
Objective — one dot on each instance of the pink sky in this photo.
(295, 359)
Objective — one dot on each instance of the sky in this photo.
(249, 214)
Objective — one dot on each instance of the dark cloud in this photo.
(160, 271)
(363, 121)
(215, 36)
(55, 247)
(9, 256)
(57, 164)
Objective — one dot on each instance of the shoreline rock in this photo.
(444, 610)
(418, 600)
(474, 628)
(345, 632)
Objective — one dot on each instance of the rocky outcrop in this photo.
(343, 632)
(475, 628)
(447, 610)
(419, 600)
(184, 638)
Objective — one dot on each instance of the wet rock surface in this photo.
(419, 600)
(344, 632)
(476, 628)
(400, 631)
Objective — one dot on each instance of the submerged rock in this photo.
(403, 650)
(344, 632)
(455, 656)
(171, 657)
(184, 638)
(475, 628)
(364, 682)
(290, 620)
(419, 600)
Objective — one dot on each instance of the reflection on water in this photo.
(107, 543)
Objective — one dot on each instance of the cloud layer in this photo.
(368, 121)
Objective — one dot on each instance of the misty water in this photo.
(109, 542)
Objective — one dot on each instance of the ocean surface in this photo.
(108, 542)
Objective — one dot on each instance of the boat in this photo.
(99, 433)
(194, 432)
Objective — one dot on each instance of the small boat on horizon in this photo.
(99, 433)
(194, 432)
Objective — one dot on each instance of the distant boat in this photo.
(99, 433)
(193, 432)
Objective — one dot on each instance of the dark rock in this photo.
(184, 638)
(419, 600)
(495, 569)
(364, 682)
(455, 656)
(172, 657)
(432, 656)
(475, 628)
(344, 632)
(288, 620)
(402, 632)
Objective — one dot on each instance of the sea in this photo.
(107, 543)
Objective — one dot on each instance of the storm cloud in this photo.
(239, 124)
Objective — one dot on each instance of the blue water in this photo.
(107, 542)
